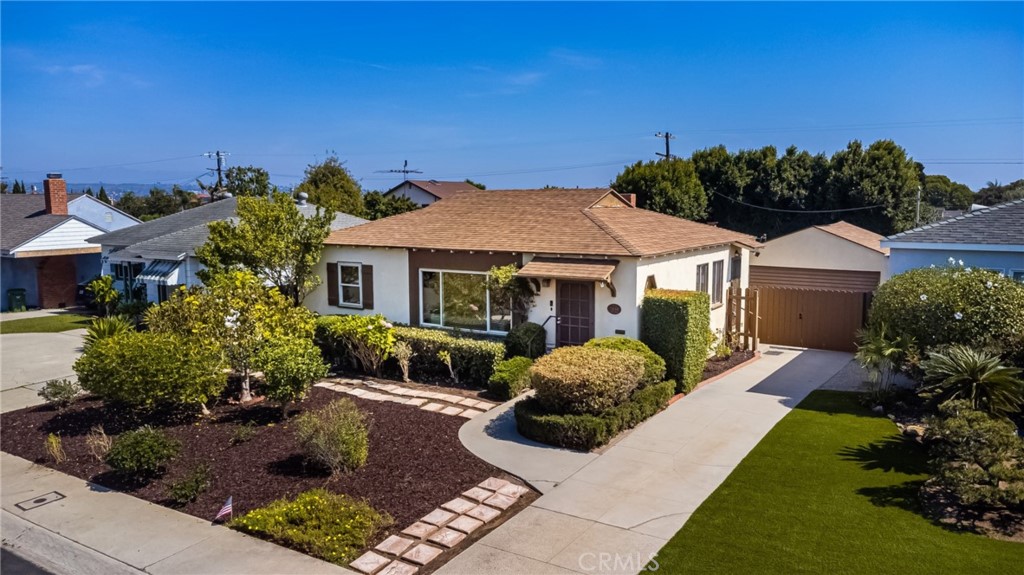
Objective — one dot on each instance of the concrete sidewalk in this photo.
(619, 508)
(94, 530)
(28, 360)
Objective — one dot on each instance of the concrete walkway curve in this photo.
(611, 512)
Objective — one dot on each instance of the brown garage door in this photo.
(820, 309)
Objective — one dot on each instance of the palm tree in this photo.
(976, 376)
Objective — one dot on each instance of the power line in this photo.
(405, 171)
(798, 211)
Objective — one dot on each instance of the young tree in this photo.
(376, 205)
(19, 187)
(330, 185)
(247, 181)
(159, 203)
(103, 197)
(132, 204)
(993, 193)
(670, 187)
(273, 240)
(88, 191)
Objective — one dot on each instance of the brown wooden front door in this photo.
(574, 313)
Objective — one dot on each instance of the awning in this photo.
(160, 272)
(569, 269)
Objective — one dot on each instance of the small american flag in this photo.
(225, 511)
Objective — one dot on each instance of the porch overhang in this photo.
(161, 272)
(569, 269)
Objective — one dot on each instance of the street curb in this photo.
(55, 553)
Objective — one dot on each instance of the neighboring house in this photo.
(815, 285)
(161, 254)
(590, 255)
(990, 238)
(43, 242)
(426, 192)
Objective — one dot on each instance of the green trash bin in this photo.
(16, 299)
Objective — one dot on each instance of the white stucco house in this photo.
(425, 192)
(590, 255)
(990, 238)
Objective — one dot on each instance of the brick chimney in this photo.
(56, 191)
(631, 198)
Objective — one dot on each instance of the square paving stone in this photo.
(401, 391)
(459, 505)
(451, 410)
(387, 387)
(501, 501)
(399, 568)
(438, 517)
(470, 413)
(477, 494)
(369, 562)
(419, 530)
(447, 537)
(422, 554)
(394, 545)
(465, 524)
(451, 398)
(468, 402)
(322, 384)
(513, 490)
(432, 407)
(357, 392)
(493, 483)
(483, 513)
(417, 401)
(485, 405)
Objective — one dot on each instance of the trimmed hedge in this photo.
(585, 379)
(527, 340)
(511, 377)
(589, 431)
(675, 325)
(474, 359)
(654, 366)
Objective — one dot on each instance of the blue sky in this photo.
(512, 95)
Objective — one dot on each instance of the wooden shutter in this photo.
(367, 287)
(332, 283)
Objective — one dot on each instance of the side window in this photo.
(717, 281)
(702, 278)
(350, 282)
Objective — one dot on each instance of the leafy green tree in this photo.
(329, 184)
(273, 240)
(670, 187)
(103, 197)
(476, 184)
(377, 205)
(160, 203)
(88, 192)
(941, 192)
(19, 187)
(132, 204)
(881, 175)
(290, 366)
(247, 181)
(993, 193)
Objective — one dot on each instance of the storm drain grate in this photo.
(43, 499)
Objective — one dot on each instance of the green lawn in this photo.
(831, 489)
(46, 324)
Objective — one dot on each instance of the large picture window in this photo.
(461, 300)
(717, 281)
(350, 280)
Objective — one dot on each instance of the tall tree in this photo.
(88, 191)
(247, 181)
(941, 192)
(376, 205)
(330, 185)
(130, 203)
(993, 193)
(476, 184)
(19, 187)
(273, 240)
(668, 186)
(103, 197)
(160, 203)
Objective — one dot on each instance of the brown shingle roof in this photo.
(557, 221)
(568, 269)
(857, 235)
(440, 190)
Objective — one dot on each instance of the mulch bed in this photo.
(717, 366)
(416, 461)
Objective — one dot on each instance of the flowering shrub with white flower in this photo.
(366, 340)
(940, 306)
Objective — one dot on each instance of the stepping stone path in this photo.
(446, 403)
(440, 530)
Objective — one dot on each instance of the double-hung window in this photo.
(350, 284)
(462, 300)
(717, 281)
(702, 278)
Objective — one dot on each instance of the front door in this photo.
(575, 313)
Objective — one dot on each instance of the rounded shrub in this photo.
(511, 377)
(654, 366)
(952, 305)
(142, 452)
(335, 436)
(585, 379)
(527, 340)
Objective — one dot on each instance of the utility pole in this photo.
(917, 219)
(667, 136)
(220, 169)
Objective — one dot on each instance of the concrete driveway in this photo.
(28, 360)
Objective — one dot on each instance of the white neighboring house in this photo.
(590, 255)
(425, 192)
(160, 255)
(990, 238)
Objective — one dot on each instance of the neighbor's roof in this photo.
(439, 190)
(555, 221)
(173, 236)
(998, 225)
(23, 217)
(857, 235)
